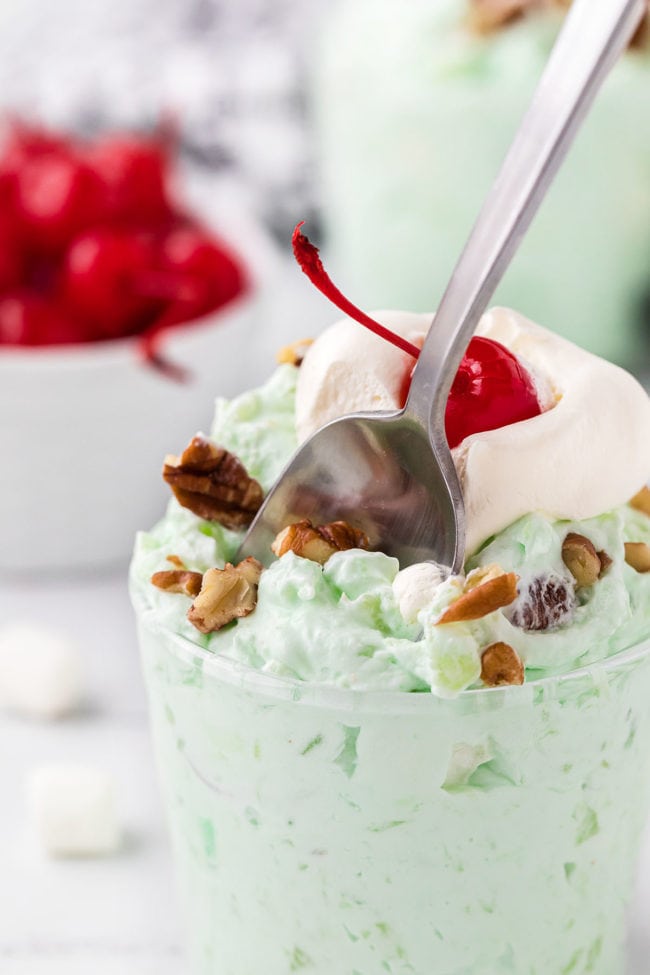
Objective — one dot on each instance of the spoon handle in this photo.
(593, 36)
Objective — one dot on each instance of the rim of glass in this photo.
(233, 672)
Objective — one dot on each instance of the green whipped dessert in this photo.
(375, 769)
(371, 625)
(350, 607)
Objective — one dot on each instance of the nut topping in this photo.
(480, 600)
(581, 559)
(177, 561)
(547, 602)
(318, 542)
(489, 15)
(605, 561)
(640, 36)
(641, 501)
(501, 664)
(178, 580)
(226, 594)
(482, 574)
(213, 484)
(637, 554)
(293, 354)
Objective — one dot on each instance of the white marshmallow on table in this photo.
(73, 810)
(415, 586)
(40, 671)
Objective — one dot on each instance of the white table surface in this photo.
(109, 916)
(118, 915)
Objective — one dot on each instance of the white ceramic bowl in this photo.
(84, 429)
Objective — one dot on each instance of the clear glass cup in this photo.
(340, 832)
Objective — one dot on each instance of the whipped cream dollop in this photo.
(586, 453)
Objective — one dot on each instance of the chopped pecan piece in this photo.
(178, 580)
(581, 559)
(318, 542)
(637, 554)
(226, 594)
(642, 34)
(213, 484)
(490, 15)
(641, 501)
(294, 353)
(501, 664)
(546, 603)
(483, 574)
(177, 561)
(480, 600)
(605, 561)
(487, 16)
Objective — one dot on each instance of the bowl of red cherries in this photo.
(121, 315)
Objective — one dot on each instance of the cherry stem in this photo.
(309, 260)
(176, 291)
(149, 346)
(167, 368)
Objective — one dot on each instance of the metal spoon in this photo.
(392, 474)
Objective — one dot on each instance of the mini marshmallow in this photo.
(464, 761)
(40, 671)
(415, 586)
(73, 810)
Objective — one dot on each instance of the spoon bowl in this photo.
(378, 472)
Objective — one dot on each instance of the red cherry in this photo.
(134, 174)
(12, 262)
(205, 267)
(27, 319)
(21, 144)
(101, 272)
(491, 389)
(17, 321)
(23, 140)
(56, 197)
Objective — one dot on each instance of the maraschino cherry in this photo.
(12, 261)
(133, 172)
(27, 319)
(57, 196)
(197, 274)
(491, 388)
(210, 275)
(94, 246)
(20, 143)
(100, 276)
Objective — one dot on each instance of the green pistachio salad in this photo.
(545, 588)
